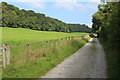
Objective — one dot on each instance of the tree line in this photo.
(15, 18)
(106, 23)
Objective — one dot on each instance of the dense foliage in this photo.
(106, 23)
(14, 17)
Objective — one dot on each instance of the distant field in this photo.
(14, 36)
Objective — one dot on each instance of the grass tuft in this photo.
(93, 47)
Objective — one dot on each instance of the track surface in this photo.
(87, 62)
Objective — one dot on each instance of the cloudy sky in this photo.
(69, 11)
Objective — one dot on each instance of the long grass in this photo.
(112, 59)
(35, 60)
(38, 61)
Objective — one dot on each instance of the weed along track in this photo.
(87, 62)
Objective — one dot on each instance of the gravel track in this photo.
(87, 62)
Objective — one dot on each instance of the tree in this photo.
(14, 17)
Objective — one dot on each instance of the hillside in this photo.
(14, 36)
(15, 18)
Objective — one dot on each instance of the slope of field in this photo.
(15, 36)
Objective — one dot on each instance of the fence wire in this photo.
(33, 51)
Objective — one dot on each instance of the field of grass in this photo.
(41, 60)
(35, 60)
(15, 36)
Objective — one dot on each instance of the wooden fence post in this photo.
(55, 43)
(46, 43)
(28, 50)
(66, 38)
(0, 58)
(69, 38)
(8, 55)
(3, 57)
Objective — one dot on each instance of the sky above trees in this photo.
(69, 11)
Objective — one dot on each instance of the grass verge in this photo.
(112, 59)
(39, 61)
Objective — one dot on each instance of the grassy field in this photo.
(35, 60)
(15, 36)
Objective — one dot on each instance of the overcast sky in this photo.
(69, 11)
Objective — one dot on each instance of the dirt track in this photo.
(87, 62)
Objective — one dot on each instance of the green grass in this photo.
(41, 60)
(93, 47)
(93, 41)
(35, 60)
(112, 59)
(15, 36)
(0, 35)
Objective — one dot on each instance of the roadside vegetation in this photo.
(106, 23)
(35, 60)
(39, 60)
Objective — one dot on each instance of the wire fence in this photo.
(30, 51)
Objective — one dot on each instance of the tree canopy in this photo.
(15, 18)
(106, 23)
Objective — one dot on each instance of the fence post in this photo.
(66, 38)
(3, 57)
(0, 58)
(69, 38)
(72, 37)
(7, 55)
(54, 43)
(28, 46)
(46, 43)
